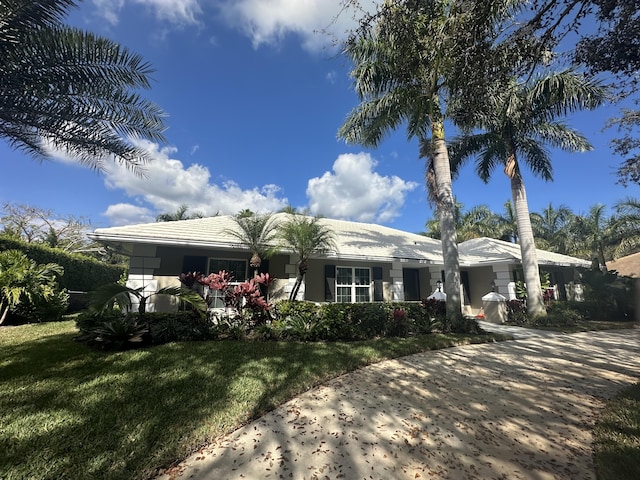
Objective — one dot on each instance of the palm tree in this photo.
(23, 280)
(410, 62)
(304, 236)
(70, 89)
(508, 224)
(552, 228)
(478, 222)
(627, 226)
(258, 234)
(597, 233)
(179, 214)
(522, 119)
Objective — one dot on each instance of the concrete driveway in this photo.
(521, 409)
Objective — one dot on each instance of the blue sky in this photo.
(255, 97)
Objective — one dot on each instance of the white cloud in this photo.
(127, 214)
(167, 184)
(354, 191)
(268, 21)
(177, 12)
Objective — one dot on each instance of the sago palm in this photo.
(523, 118)
(304, 236)
(71, 90)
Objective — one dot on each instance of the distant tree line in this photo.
(591, 235)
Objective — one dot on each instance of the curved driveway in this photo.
(521, 409)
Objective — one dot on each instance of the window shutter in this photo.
(192, 263)
(329, 283)
(378, 291)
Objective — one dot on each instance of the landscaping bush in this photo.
(335, 322)
(188, 325)
(517, 312)
(559, 314)
(41, 310)
(607, 296)
(112, 329)
(80, 272)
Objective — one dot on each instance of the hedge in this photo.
(81, 273)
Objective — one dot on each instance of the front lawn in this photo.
(617, 437)
(70, 412)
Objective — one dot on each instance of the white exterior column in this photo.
(397, 282)
(502, 277)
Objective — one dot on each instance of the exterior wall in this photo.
(315, 280)
(481, 282)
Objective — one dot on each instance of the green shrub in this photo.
(80, 271)
(119, 333)
(559, 314)
(459, 324)
(179, 326)
(335, 322)
(608, 296)
(517, 312)
(41, 310)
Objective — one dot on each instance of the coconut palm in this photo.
(478, 222)
(521, 121)
(627, 227)
(508, 224)
(410, 63)
(179, 214)
(552, 229)
(71, 90)
(597, 234)
(304, 236)
(258, 234)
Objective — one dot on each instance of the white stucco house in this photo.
(371, 262)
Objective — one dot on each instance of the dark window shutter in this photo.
(329, 283)
(264, 267)
(192, 263)
(378, 291)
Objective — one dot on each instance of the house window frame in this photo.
(218, 300)
(353, 287)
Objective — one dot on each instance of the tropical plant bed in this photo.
(617, 437)
(72, 412)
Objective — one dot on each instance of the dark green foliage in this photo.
(81, 273)
(459, 324)
(41, 310)
(114, 330)
(607, 296)
(517, 312)
(180, 326)
(559, 314)
(336, 322)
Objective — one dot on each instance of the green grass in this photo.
(70, 412)
(617, 437)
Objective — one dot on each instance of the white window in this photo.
(353, 284)
(237, 268)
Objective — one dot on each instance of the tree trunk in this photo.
(447, 220)
(296, 287)
(535, 303)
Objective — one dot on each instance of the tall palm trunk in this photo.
(535, 303)
(447, 221)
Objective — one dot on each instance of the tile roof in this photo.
(354, 240)
(490, 250)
